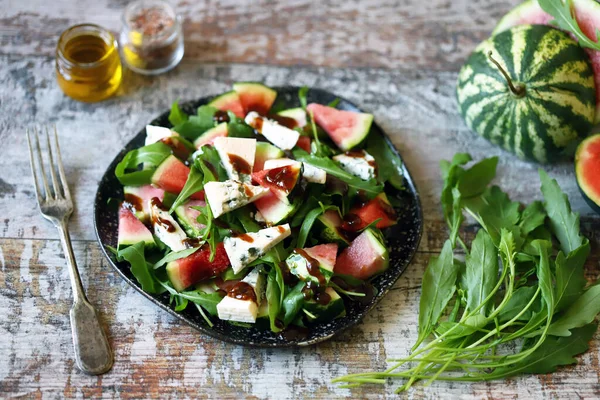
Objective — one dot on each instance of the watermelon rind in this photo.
(255, 96)
(587, 163)
(273, 208)
(542, 123)
(327, 312)
(586, 11)
(331, 223)
(187, 217)
(345, 134)
(132, 231)
(229, 101)
(297, 114)
(210, 135)
(265, 151)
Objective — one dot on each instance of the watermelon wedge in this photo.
(378, 208)
(137, 197)
(171, 176)
(273, 208)
(587, 13)
(281, 180)
(347, 129)
(365, 257)
(255, 96)
(132, 231)
(187, 271)
(229, 101)
(210, 135)
(188, 217)
(291, 118)
(587, 170)
(304, 143)
(324, 253)
(265, 151)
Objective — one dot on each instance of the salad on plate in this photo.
(258, 216)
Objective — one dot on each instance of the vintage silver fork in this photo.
(92, 351)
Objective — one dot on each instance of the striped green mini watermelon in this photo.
(529, 89)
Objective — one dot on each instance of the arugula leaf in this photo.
(139, 268)
(532, 217)
(292, 303)
(177, 116)
(497, 212)
(439, 284)
(196, 125)
(563, 222)
(273, 293)
(193, 184)
(481, 273)
(243, 215)
(302, 93)
(152, 155)
(580, 313)
(240, 130)
(334, 102)
(175, 255)
(570, 278)
(370, 187)
(475, 180)
(389, 165)
(309, 220)
(517, 302)
(564, 17)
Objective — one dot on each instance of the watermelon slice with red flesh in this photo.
(365, 257)
(137, 198)
(265, 151)
(171, 176)
(196, 267)
(281, 180)
(229, 101)
(255, 97)
(273, 208)
(132, 230)
(188, 217)
(347, 129)
(377, 208)
(587, 170)
(210, 135)
(304, 143)
(324, 253)
(587, 13)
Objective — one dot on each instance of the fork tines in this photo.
(58, 188)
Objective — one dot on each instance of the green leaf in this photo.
(292, 303)
(240, 130)
(177, 116)
(475, 180)
(570, 278)
(580, 313)
(193, 184)
(196, 125)
(439, 284)
(498, 212)
(371, 187)
(481, 273)
(309, 220)
(334, 103)
(544, 274)
(139, 268)
(563, 17)
(302, 96)
(563, 222)
(389, 165)
(532, 217)
(175, 255)
(554, 352)
(152, 155)
(273, 294)
(518, 301)
(208, 301)
(457, 215)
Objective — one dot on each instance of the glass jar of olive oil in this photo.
(88, 67)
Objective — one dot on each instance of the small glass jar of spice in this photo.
(151, 39)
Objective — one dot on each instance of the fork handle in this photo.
(92, 350)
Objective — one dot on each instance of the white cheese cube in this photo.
(281, 136)
(166, 228)
(310, 173)
(156, 133)
(244, 249)
(229, 195)
(258, 281)
(231, 309)
(237, 156)
(360, 164)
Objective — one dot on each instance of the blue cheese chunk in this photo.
(229, 195)
(310, 173)
(281, 136)
(241, 310)
(156, 133)
(358, 163)
(166, 228)
(237, 156)
(244, 249)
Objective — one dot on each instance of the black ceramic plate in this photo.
(403, 239)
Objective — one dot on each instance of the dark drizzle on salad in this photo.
(245, 237)
(364, 287)
(316, 292)
(288, 278)
(133, 202)
(283, 177)
(388, 209)
(248, 191)
(288, 122)
(221, 116)
(258, 124)
(352, 222)
(312, 265)
(242, 291)
(211, 168)
(157, 219)
(191, 242)
(177, 147)
(355, 153)
(239, 164)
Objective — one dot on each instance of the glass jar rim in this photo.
(165, 6)
(101, 32)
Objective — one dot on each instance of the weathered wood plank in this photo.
(157, 355)
(378, 33)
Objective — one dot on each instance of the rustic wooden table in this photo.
(397, 59)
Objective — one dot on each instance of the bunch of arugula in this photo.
(521, 286)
